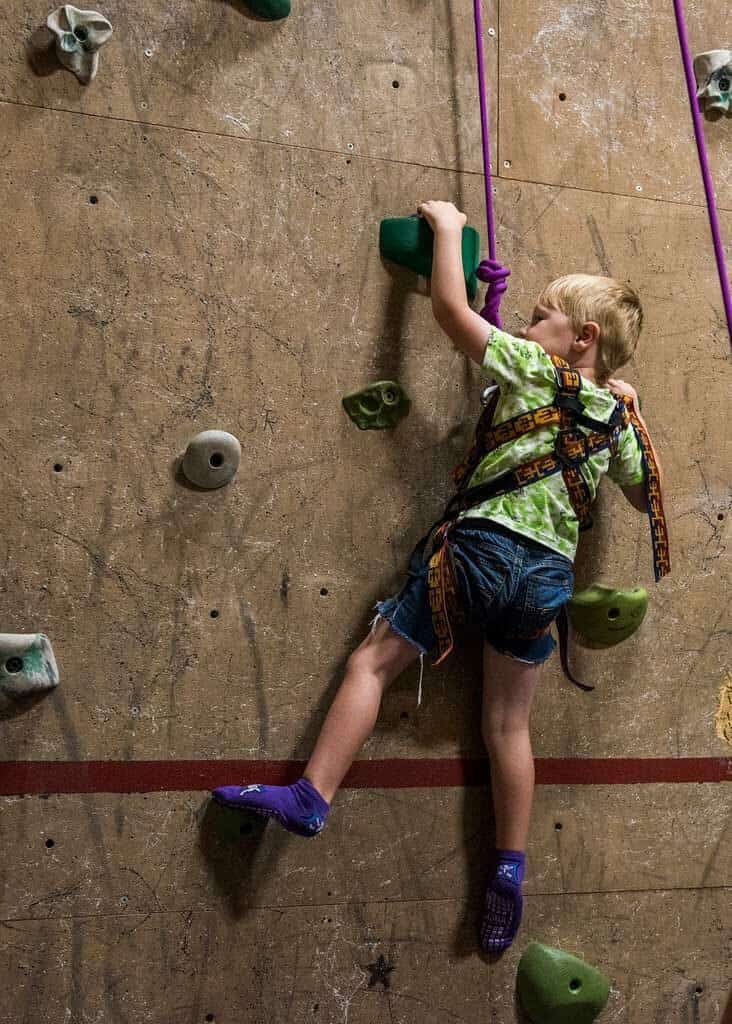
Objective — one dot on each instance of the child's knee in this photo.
(501, 729)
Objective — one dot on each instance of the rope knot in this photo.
(495, 275)
(491, 272)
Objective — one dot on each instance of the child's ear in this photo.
(590, 336)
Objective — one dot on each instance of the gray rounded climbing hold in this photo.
(211, 459)
(27, 664)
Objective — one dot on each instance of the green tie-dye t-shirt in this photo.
(542, 510)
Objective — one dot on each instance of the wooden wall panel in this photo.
(157, 852)
(624, 125)
(321, 79)
(298, 964)
(173, 305)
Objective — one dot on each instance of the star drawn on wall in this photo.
(380, 971)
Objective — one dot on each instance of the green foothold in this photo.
(605, 616)
(272, 10)
(408, 242)
(555, 987)
(378, 406)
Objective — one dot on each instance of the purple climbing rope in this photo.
(490, 271)
(704, 163)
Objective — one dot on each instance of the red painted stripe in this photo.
(33, 777)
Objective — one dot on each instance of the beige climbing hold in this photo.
(723, 718)
(27, 664)
(79, 36)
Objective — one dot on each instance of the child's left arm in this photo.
(635, 493)
(468, 330)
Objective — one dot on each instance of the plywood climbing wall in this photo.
(191, 242)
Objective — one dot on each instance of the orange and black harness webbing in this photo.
(572, 448)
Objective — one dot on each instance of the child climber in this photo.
(501, 559)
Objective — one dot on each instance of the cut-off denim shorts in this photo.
(510, 587)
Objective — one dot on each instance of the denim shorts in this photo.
(510, 588)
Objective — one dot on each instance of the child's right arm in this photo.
(468, 330)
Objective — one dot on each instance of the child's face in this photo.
(552, 330)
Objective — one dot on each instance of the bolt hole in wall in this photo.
(50, 843)
(94, 200)
(210, 1017)
(558, 826)
(575, 985)
(14, 665)
(562, 96)
(57, 467)
(216, 460)
(323, 591)
(395, 84)
(214, 613)
(720, 516)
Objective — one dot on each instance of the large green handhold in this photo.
(555, 987)
(605, 616)
(408, 242)
(272, 10)
(378, 406)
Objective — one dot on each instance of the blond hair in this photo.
(613, 305)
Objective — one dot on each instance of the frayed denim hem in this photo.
(395, 629)
(523, 661)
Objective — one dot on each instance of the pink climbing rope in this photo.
(490, 271)
(704, 163)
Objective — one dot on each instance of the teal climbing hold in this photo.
(377, 407)
(605, 616)
(408, 242)
(555, 987)
(272, 10)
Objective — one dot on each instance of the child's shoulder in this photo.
(509, 357)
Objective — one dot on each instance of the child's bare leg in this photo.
(371, 668)
(303, 807)
(508, 692)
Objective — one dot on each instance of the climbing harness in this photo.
(572, 447)
(489, 271)
(704, 164)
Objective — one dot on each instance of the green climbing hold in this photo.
(408, 242)
(378, 406)
(605, 616)
(272, 10)
(555, 987)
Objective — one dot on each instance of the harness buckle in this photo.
(569, 402)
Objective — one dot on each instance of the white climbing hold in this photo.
(79, 35)
(27, 664)
(211, 459)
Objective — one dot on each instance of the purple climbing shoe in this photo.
(504, 903)
(299, 808)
